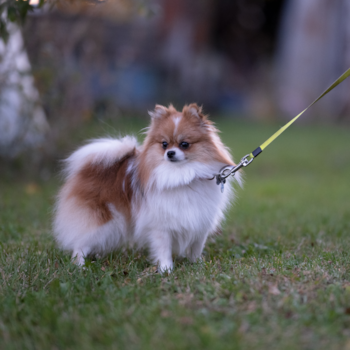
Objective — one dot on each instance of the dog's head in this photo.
(180, 146)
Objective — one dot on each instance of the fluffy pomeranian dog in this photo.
(158, 195)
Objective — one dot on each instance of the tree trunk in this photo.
(23, 122)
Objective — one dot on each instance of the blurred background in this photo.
(72, 65)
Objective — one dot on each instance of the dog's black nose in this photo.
(171, 154)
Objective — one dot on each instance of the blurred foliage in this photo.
(14, 11)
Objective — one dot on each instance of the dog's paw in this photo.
(78, 259)
(165, 267)
(195, 259)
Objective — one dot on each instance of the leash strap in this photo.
(247, 159)
(258, 150)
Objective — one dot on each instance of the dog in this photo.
(159, 195)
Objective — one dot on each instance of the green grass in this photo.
(277, 278)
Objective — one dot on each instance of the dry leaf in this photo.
(186, 320)
(273, 289)
(126, 281)
(32, 188)
(251, 306)
(244, 327)
(165, 314)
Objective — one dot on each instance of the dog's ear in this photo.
(159, 112)
(194, 110)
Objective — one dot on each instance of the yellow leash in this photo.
(229, 170)
(256, 152)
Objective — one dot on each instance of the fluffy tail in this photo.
(104, 151)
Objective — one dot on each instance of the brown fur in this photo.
(97, 185)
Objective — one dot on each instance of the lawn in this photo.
(277, 278)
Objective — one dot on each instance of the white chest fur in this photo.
(188, 211)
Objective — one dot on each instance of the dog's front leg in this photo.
(79, 255)
(160, 250)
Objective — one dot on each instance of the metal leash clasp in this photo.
(228, 170)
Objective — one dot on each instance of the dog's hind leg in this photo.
(194, 252)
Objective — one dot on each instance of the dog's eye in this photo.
(165, 145)
(184, 145)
